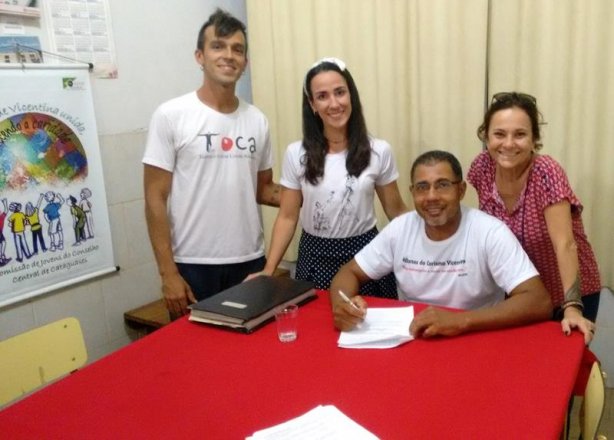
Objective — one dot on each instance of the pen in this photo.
(345, 298)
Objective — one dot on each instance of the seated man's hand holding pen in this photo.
(349, 309)
(348, 312)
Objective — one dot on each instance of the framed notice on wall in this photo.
(54, 224)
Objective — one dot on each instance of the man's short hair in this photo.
(435, 156)
(225, 24)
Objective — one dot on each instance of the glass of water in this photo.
(287, 320)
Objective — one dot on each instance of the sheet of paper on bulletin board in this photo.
(19, 18)
(24, 8)
(82, 31)
(20, 49)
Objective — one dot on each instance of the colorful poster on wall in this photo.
(54, 224)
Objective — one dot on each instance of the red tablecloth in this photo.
(189, 380)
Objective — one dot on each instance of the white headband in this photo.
(336, 61)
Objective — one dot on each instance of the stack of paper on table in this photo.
(382, 328)
(322, 422)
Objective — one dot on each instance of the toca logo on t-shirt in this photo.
(216, 142)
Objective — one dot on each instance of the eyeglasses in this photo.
(513, 96)
(441, 186)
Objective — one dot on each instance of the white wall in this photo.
(155, 42)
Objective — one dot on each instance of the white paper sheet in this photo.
(382, 328)
(321, 423)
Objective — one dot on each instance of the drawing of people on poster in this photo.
(5, 209)
(54, 222)
(39, 152)
(86, 206)
(33, 219)
(50, 177)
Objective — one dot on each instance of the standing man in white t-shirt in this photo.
(447, 255)
(207, 167)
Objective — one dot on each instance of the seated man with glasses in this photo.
(447, 255)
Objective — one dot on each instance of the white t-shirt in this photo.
(340, 205)
(215, 159)
(470, 270)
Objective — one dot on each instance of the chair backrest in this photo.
(594, 402)
(38, 356)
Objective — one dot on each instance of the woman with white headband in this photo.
(329, 180)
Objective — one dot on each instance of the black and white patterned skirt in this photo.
(319, 259)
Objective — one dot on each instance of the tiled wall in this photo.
(100, 304)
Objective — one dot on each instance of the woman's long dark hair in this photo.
(314, 142)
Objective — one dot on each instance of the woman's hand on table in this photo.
(573, 319)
